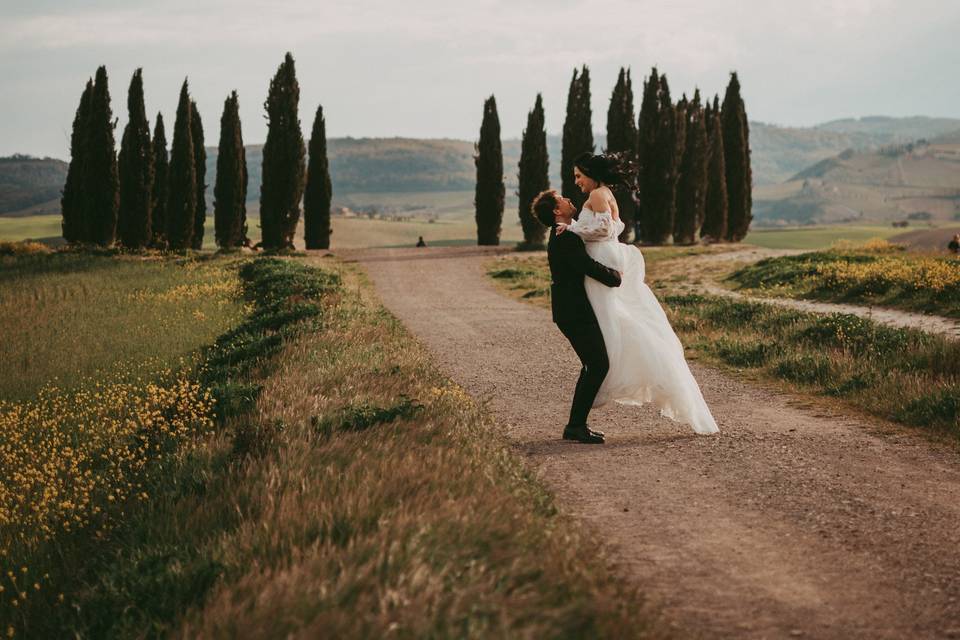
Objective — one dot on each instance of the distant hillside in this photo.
(377, 165)
(781, 152)
(917, 182)
(387, 165)
(30, 184)
(883, 130)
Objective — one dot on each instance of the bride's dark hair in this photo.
(609, 168)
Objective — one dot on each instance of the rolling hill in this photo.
(781, 152)
(365, 170)
(915, 182)
(31, 186)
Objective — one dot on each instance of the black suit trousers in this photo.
(587, 340)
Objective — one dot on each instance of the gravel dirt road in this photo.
(794, 521)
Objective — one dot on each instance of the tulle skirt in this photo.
(647, 363)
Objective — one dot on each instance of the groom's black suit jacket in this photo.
(569, 263)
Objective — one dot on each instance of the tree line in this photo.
(144, 197)
(694, 178)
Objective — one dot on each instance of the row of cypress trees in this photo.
(147, 198)
(91, 196)
(694, 163)
(695, 177)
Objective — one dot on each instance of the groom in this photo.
(572, 313)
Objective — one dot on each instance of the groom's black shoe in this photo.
(581, 433)
(594, 431)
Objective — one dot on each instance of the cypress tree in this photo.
(715, 214)
(161, 186)
(534, 175)
(567, 187)
(72, 204)
(200, 166)
(692, 187)
(648, 125)
(736, 151)
(230, 190)
(101, 178)
(577, 133)
(283, 160)
(319, 192)
(490, 189)
(662, 172)
(182, 194)
(680, 145)
(134, 223)
(683, 111)
(622, 138)
(621, 127)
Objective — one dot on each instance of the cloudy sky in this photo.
(422, 68)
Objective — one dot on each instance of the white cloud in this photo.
(422, 67)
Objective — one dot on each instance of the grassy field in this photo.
(898, 374)
(348, 232)
(68, 316)
(454, 224)
(813, 238)
(30, 227)
(877, 273)
(100, 387)
(311, 474)
(46, 227)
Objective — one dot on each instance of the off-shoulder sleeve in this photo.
(599, 226)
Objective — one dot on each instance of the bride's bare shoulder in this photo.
(601, 200)
(597, 202)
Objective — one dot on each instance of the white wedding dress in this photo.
(646, 358)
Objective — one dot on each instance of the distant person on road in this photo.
(954, 245)
(421, 242)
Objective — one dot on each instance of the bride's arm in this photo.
(591, 227)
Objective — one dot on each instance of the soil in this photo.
(796, 520)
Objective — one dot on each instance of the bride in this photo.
(647, 363)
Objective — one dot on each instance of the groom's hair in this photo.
(543, 206)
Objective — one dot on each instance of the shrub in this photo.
(940, 408)
(744, 353)
(24, 247)
(362, 416)
(805, 369)
(859, 335)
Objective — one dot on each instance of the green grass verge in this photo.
(902, 375)
(881, 277)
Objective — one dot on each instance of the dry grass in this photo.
(391, 506)
(364, 496)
